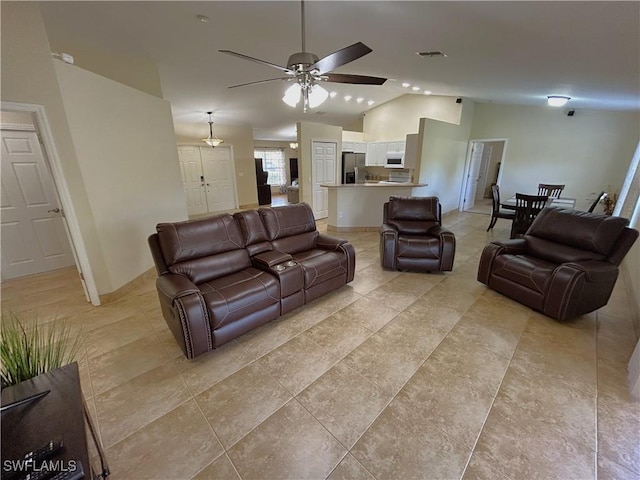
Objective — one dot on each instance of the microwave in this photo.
(394, 160)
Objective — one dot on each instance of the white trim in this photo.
(467, 166)
(20, 127)
(53, 158)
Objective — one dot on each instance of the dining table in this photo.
(564, 202)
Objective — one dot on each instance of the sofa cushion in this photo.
(588, 231)
(182, 241)
(288, 220)
(530, 272)
(239, 295)
(207, 268)
(418, 247)
(253, 231)
(557, 252)
(423, 209)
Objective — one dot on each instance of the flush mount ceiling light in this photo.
(213, 140)
(557, 100)
(406, 84)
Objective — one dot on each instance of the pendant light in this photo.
(213, 140)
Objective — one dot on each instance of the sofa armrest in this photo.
(388, 246)
(447, 246)
(326, 242)
(267, 260)
(185, 312)
(516, 246)
(579, 287)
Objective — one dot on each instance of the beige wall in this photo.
(586, 152)
(444, 151)
(28, 76)
(124, 142)
(308, 132)
(138, 72)
(397, 118)
(241, 138)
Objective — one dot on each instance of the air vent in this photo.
(434, 53)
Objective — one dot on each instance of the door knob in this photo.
(55, 210)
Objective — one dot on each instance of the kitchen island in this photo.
(358, 207)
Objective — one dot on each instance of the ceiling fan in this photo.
(307, 70)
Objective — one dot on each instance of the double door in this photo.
(208, 178)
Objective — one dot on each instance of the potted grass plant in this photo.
(28, 349)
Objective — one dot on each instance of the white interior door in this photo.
(217, 168)
(483, 171)
(34, 238)
(192, 179)
(472, 175)
(324, 160)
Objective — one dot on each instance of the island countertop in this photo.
(358, 206)
(373, 185)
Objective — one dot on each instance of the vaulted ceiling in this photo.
(502, 52)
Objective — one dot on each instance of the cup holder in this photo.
(291, 263)
(280, 268)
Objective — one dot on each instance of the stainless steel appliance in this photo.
(353, 165)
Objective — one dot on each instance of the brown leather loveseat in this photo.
(566, 264)
(221, 276)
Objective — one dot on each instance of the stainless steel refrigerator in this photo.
(353, 167)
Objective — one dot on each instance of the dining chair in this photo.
(496, 213)
(597, 201)
(527, 209)
(550, 190)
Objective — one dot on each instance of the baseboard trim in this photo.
(127, 287)
(331, 228)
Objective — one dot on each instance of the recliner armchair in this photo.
(412, 236)
(566, 264)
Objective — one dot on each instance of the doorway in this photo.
(485, 157)
(208, 178)
(324, 160)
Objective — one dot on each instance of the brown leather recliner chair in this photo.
(412, 236)
(566, 264)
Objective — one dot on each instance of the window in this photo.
(273, 162)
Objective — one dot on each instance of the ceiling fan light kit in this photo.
(308, 71)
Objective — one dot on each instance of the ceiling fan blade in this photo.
(358, 79)
(260, 81)
(257, 60)
(341, 57)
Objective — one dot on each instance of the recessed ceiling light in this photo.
(370, 102)
(359, 99)
(427, 92)
(557, 100)
(202, 18)
(347, 97)
(333, 94)
(415, 89)
(405, 84)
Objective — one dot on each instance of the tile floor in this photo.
(396, 375)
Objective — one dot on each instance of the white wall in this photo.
(397, 118)
(443, 157)
(307, 133)
(125, 145)
(586, 152)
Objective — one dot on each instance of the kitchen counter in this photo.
(374, 184)
(358, 206)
